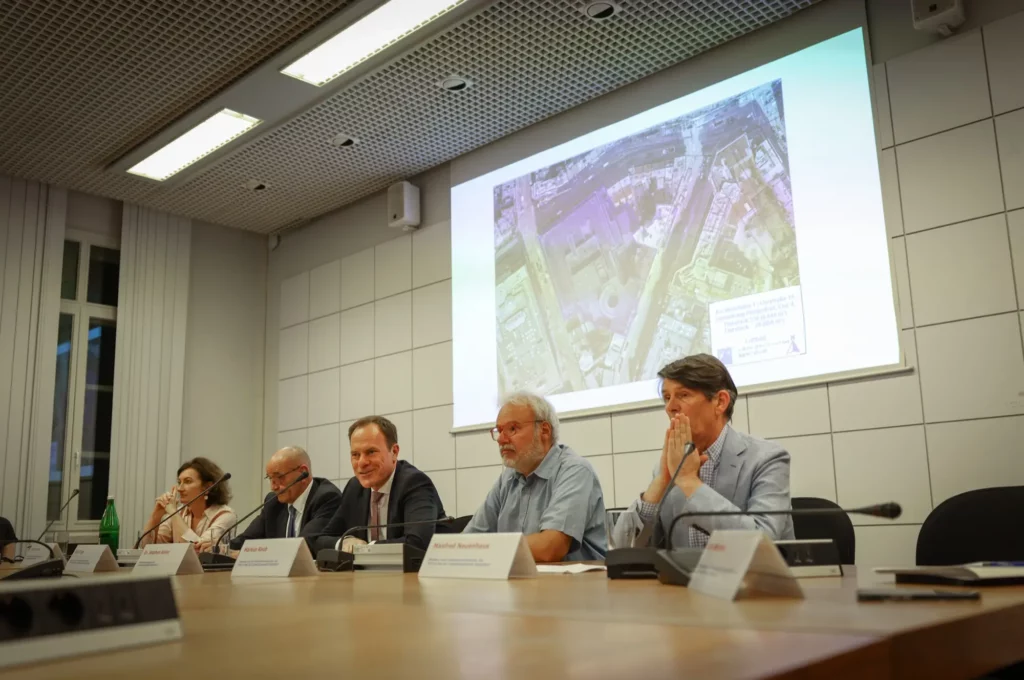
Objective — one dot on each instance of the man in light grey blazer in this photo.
(727, 471)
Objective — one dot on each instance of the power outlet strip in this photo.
(42, 620)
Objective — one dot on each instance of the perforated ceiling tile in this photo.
(83, 82)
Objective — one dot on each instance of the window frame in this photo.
(81, 311)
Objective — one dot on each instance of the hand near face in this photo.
(675, 442)
(173, 503)
(166, 502)
(665, 472)
(678, 436)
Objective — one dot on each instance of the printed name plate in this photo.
(483, 556)
(281, 557)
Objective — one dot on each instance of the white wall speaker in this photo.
(403, 206)
(938, 16)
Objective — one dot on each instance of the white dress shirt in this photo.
(300, 507)
(382, 510)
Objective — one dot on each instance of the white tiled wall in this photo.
(953, 209)
(371, 333)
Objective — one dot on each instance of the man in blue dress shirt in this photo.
(547, 491)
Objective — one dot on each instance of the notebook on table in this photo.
(973, 574)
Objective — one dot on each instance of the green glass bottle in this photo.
(110, 528)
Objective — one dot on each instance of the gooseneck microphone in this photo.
(351, 530)
(48, 568)
(638, 561)
(338, 560)
(675, 567)
(644, 539)
(59, 512)
(225, 477)
(302, 476)
(885, 510)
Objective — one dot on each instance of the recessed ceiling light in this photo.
(384, 26)
(344, 141)
(200, 141)
(601, 10)
(455, 83)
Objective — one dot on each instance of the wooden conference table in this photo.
(385, 625)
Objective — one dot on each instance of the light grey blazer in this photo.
(753, 475)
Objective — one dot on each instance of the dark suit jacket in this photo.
(272, 522)
(413, 498)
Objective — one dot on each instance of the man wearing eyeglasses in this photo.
(548, 491)
(303, 510)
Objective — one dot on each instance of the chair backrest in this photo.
(836, 526)
(975, 526)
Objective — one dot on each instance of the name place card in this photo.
(743, 563)
(36, 553)
(168, 559)
(89, 559)
(280, 557)
(480, 556)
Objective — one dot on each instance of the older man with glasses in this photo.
(547, 491)
(300, 510)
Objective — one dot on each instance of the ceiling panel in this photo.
(84, 82)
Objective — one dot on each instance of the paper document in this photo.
(974, 572)
(568, 568)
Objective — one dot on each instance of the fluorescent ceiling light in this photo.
(200, 141)
(385, 25)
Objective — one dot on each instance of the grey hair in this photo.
(543, 411)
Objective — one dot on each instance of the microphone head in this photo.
(303, 475)
(226, 477)
(890, 510)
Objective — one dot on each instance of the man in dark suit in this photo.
(385, 490)
(303, 510)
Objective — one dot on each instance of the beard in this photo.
(527, 460)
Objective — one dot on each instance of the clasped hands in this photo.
(688, 480)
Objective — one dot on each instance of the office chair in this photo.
(983, 525)
(836, 526)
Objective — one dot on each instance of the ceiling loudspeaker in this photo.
(938, 16)
(403, 206)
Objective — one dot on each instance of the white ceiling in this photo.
(83, 82)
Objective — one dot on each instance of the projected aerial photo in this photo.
(606, 263)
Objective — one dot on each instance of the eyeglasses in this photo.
(278, 478)
(509, 429)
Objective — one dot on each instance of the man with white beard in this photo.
(547, 491)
